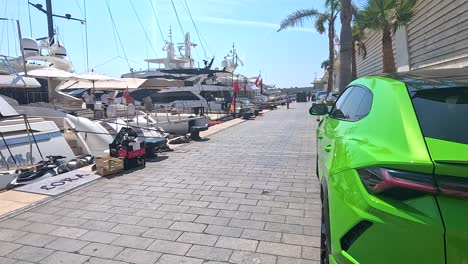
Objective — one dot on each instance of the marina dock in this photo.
(245, 194)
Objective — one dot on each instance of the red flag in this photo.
(235, 85)
(127, 97)
(256, 80)
(261, 86)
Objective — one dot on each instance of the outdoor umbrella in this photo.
(50, 72)
(114, 84)
(94, 77)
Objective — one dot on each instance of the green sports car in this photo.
(393, 168)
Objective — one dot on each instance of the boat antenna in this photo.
(196, 28)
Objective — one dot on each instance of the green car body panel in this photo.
(454, 210)
(402, 231)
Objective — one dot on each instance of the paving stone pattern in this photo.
(249, 194)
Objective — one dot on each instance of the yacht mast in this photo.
(50, 21)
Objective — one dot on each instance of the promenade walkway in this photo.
(249, 194)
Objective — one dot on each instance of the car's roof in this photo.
(432, 79)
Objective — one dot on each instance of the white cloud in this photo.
(228, 21)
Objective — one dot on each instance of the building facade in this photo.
(437, 37)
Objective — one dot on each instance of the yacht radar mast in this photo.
(184, 61)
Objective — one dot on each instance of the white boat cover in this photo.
(6, 109)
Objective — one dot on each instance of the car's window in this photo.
(365, 106)
(442, 113)
(356, 104)
(336, 111)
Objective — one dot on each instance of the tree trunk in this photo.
(353, 63)
(387, 49)
(331, 55)
(346, 40)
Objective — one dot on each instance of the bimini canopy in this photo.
(16, 81)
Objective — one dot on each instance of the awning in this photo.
(167, 60)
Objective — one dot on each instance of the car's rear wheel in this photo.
(325, 232)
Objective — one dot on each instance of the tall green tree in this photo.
(323, 22)
(359, 45)
(387, 16)
(346, 45)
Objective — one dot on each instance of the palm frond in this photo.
(298, 18)
(404, 12)
(333, 6)
(320, 23)
(374, 16)
(325, 64)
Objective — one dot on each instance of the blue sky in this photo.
(287, 58)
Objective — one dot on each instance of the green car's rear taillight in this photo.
(405, 184)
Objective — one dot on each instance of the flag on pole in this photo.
(233, 105)
(235, 85)
(127, 97)
(261, 86)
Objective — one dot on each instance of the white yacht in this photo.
(25, 140)
(178, 84)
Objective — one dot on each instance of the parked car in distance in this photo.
(330, 99)
(392, 161)
(318, 95)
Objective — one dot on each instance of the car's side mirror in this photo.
(318, 109)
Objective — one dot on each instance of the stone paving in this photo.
(249, 194)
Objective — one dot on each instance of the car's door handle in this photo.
(328, 148)
(320, 137)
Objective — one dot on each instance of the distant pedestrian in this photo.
(104, 102)
(287, 100)
(105, 99)
(88, 98)
(308, 96)
(148, 103)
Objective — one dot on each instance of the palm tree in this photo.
(346, 44)
(325, 64)
(358, 43)
(387, 16)
(298, 18)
